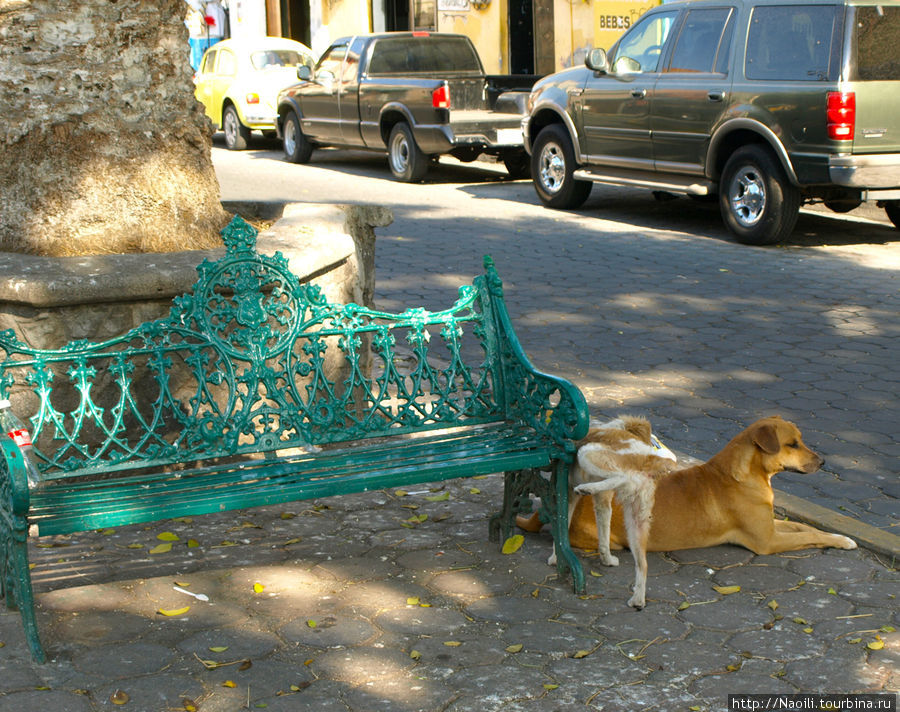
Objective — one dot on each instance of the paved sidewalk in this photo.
(651, 308)
(358, 608)
(350, 604)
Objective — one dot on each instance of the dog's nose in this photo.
(816, 462)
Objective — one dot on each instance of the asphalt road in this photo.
(650, 306)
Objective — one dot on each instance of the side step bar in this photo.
(691, 185)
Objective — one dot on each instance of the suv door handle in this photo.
(717, 95)
(638, 93)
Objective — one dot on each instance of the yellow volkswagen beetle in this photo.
(239, 80)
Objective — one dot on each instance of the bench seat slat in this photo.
(72, 490)
(66, 508)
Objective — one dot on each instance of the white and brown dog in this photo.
(637, 496)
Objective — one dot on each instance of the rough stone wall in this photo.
(103, 146)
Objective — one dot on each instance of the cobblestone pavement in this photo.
(347, 604)
(649, 308)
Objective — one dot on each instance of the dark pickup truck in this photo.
(417, 95)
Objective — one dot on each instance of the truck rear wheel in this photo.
(758, 203)
(405, 158)
(552, 169)
(892, 208)
(517, 162)
(296, 148)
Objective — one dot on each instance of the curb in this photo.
(865, 535)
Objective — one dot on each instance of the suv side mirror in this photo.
(304, 73)
(597, 61)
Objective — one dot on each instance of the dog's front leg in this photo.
(779, 536)
(790, 536)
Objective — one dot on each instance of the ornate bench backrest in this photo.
(253, 361)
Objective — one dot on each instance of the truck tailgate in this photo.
(495, 128)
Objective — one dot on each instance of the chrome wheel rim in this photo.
(552, 168)
(399, 153)
(747, 195)
(230, 128)
(290, 137)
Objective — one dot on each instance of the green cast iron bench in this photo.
(257, 391)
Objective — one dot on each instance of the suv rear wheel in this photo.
(552, 169)
(758, 203)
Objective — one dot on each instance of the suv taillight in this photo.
(841, 112)
(440, 97)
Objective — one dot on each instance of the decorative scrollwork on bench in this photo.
(252, 359)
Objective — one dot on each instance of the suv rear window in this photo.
(877, 46)
(794, 43)
(408, 55)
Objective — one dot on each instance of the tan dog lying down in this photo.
(659, 507)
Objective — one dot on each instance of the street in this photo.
(649, 306)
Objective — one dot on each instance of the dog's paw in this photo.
(608, 559)
(552, 560)
(637, 601)
(846, 542)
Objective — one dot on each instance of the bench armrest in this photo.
(550, 404)
(14, 495)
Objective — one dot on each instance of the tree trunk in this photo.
(103, 147)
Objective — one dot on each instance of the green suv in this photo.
(766, 104)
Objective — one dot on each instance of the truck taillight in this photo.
(440, 97)
(840, 108)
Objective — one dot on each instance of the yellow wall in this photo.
(613, 17)
(573, 24)
(331, 19)
(579, 25)
(486, 27)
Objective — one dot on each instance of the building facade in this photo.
(512, 36)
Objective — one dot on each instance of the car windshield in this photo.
(278, 58)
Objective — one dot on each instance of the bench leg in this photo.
(566, 560)
(516, 490)
(554, 496)
(17, 587)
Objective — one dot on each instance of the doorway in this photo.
(396, 15)
(521, 37)
(295, 20)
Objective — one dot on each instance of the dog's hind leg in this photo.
(637, 510)
(637, 528)
(603, 515)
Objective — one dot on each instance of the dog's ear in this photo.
(765, 437)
